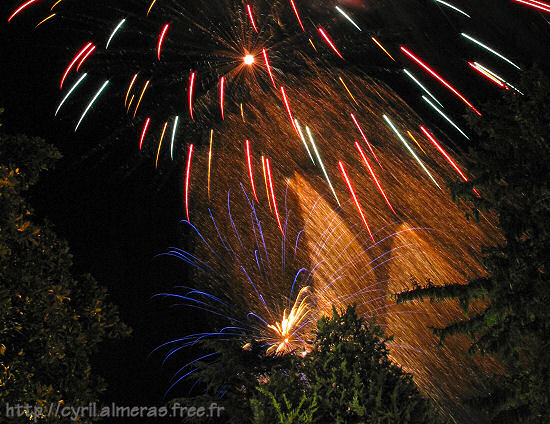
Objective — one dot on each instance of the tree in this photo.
(511, 165)
(228, 376)
(51, 323)
(346, 378)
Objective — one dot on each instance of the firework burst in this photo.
(317, 237)
(354, 204)
(191, 65)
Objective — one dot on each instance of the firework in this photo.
(382, 48)
(115, 31)
(282, 258)
(453, 7)
(442, 114)
(345, 15)
(287, 255)
(73, 62)
(160, 142)
(411, 76)
(176, 120)
(443, 152)
(250, 172)
(538, 5)
(73, 88)
(438, 78)
(285, 331)
(489, 49)
(329, 42)
(96, 96)
(144, 132)
(21, 8)
(190, 51)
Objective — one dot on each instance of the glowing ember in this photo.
(248, 59)
(287, 340)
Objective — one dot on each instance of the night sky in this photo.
(118, 212)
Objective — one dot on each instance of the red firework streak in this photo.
(90, 51)
(297, 14)
(344, 173)
(287, 106)
(75, 59)
(365, 139)
(446, 155)
(329, 42)
(161, 39)
(187, 175)
(443, 152)
(439, 78)
(222, 90)
(249, 10)
(265, 181)
(144, 131)
(268, 166)
(539, 5)
(488, 76)
(268, 68)
(373, 175)
(250, 173)
(21, 8)
(191, 88)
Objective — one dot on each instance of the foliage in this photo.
(50, 322)
(228, 377)
(303, 413)
(511, 165)
(346, 378)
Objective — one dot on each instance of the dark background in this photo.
(118, 212)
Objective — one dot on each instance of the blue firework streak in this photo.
(266, 292)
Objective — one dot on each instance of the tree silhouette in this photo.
(511, 168)
(50, 322)
(346, 378)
